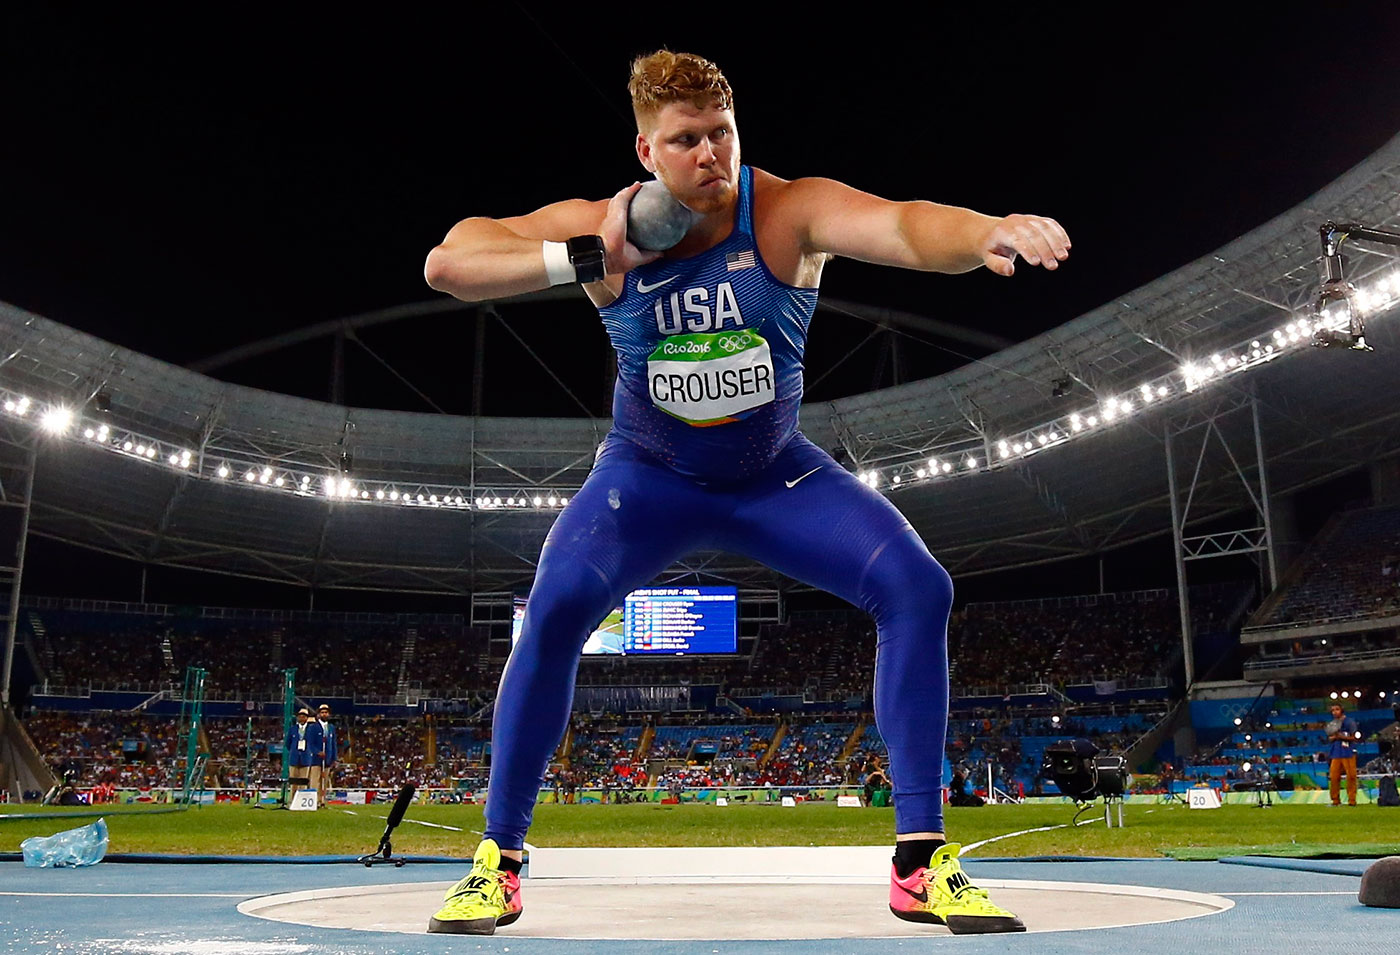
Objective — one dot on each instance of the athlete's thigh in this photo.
(811, 519)
(632, 519)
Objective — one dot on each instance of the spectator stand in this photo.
(1287, 739)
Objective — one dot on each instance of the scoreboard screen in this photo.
(662, 620)
(681, 620)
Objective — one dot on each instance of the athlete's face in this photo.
(695, 153)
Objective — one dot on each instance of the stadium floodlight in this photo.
(1334, 694)
(1345, 694)
(89, 433)
(1238, 721)
(894, 480)
(947, 468)
(1247, 766)
(920, 473)
(971, 462)
(251, 475)
(223, 471)
(57, 419)
(280, 481)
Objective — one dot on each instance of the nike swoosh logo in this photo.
(919, 896)
(644, 288)
(793, 483)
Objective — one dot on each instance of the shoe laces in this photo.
(491, 889)
(943, 875)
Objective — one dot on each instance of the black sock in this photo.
(510, 865)
(912, 854)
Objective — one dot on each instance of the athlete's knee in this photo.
(905, 578)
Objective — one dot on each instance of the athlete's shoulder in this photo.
(794, 201)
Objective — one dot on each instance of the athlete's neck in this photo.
(706, 234)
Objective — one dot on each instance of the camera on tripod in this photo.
(1080, 773)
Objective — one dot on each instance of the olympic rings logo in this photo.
(735, 342)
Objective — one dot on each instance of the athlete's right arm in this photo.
(484, 259)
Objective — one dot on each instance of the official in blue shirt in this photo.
(303, 748)
(1343, 734)
(321, 771)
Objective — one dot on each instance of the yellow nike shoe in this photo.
(487, 898)
(942, 894)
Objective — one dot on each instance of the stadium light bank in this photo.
(1338, 319)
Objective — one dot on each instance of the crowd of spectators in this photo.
(605, 753)
(105, 748)
(832, 654)
(994, 645)
(829, 656)
(1351, 571)
(810, 754)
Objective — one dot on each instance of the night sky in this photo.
(184, 186)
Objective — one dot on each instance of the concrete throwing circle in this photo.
(753, 907)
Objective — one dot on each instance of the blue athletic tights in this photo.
(634, 517)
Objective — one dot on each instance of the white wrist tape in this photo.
(557, 266)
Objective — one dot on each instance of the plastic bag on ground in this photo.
(85, 845)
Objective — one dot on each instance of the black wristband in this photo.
(586, 255)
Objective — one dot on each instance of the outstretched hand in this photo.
(619, 254)
(1038, 240)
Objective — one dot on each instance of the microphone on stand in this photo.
(385, 852)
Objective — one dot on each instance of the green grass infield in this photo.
(1150, 831)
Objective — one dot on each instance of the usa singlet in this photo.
(709, 355)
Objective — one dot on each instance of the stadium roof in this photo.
(238, 480)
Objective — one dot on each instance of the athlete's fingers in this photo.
(1035, 246)
(1054, 237)
(621, 255)
(1000, 260)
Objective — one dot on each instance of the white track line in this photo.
(1021, 832)
(1234, 894)
(137, 895)
(416, 822)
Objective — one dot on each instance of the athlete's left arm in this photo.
(832, 217)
